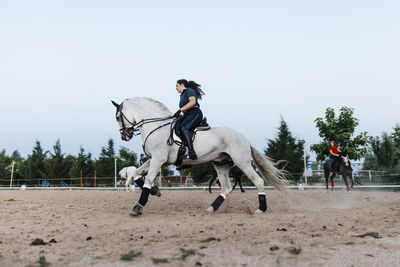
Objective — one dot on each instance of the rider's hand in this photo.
(178, 113)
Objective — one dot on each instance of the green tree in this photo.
(396, 143)
(288, 150)
(5, 163)
(105, 163)
(385, 152)
(33, 167)
(202, 173)
(83, 162)
(341, 130)
(126, 158)
(57, 165)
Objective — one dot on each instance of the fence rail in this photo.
(362, 178)
(204, 188)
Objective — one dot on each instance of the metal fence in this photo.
(314, 179)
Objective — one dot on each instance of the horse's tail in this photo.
(269, 172)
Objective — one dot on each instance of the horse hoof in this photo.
(137, 210)
(155, 191)
(258, 211)
(210, 209)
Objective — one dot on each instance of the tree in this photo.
(202, 172)
(105, 163)
(33, 167)
(57, 166)
(83, 162)
(5, 163)
(126, 158)
(340, 130)
(385, 152)
(396, 143)
(288, 150)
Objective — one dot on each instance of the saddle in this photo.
(335, 167)
(204, 126)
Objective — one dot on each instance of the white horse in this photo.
(219, 144)
(128, 173)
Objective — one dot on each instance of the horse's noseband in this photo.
(126, 133)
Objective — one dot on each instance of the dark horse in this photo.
(343, 168)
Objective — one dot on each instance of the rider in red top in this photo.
(334, 151)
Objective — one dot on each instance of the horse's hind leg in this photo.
(226, 187)
(249, 171)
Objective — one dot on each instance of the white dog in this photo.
(128, 173)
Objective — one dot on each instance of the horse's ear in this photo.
(115, 104)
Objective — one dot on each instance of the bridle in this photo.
(134, 128)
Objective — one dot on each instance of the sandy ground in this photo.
(301, 228)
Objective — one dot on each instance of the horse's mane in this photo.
(156, 106)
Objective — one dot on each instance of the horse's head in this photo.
(126, 126)
(345, 158)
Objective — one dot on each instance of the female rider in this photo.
(334, 151)
(192, 115)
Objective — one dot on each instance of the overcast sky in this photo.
(61, 62)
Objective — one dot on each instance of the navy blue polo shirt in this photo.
(185, 97)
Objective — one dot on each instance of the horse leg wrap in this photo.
(333, 185)
(144, 196)
(347, 187)
(218, 201)
(327, 187)
(139, 182)
(262, 201)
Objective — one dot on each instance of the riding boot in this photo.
(188, 141)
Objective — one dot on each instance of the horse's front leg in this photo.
(139, 173)
(226, 187)
(345, 178)
(154, 167)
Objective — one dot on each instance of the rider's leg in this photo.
(186, 135)
(226, 187)
(190, 121)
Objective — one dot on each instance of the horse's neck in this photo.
(147, 128)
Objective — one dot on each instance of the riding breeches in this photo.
(191, 119)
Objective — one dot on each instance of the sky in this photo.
(61, 62)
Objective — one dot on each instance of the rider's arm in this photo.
(192, 103)
(333, 154)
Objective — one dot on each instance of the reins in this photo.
(135, 128)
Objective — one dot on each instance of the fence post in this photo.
(115, 172)
(94, 178)
(81, 177)
(370, 177)
(12, 173)
(305, 163)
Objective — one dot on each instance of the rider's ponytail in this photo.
(192, 84)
